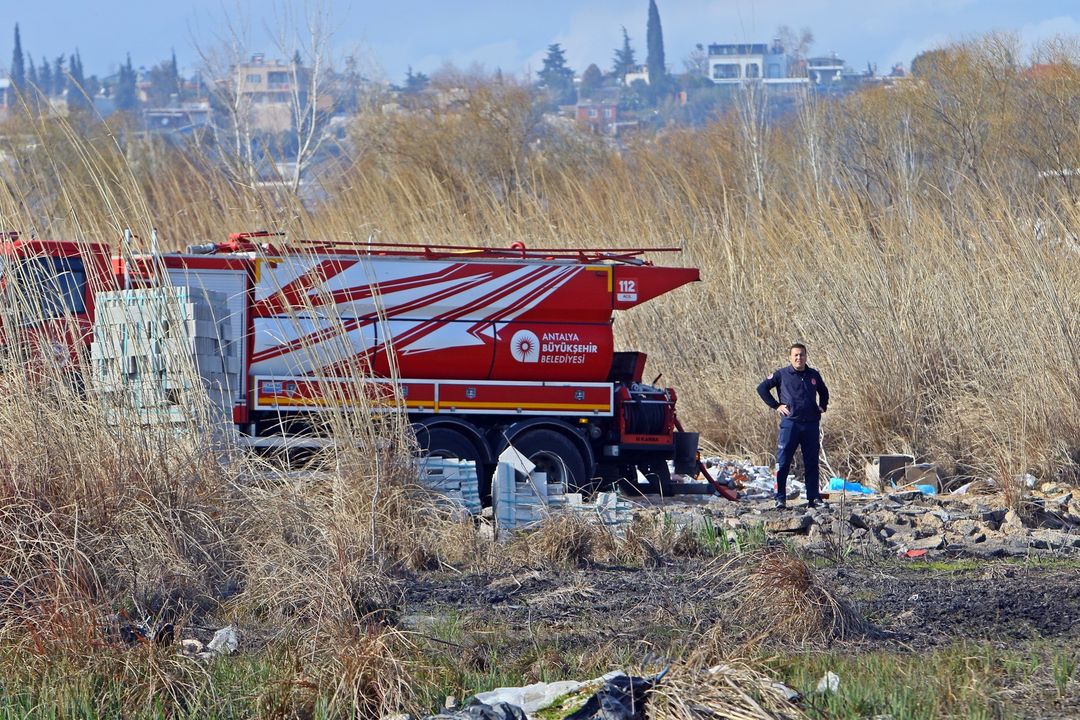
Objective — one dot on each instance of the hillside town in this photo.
(286, 114)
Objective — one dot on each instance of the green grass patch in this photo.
(963, 680)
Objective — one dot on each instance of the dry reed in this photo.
(775, 596)
(732, 690)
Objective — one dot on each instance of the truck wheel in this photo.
(659, 476)
(555, 454)
(447, 443)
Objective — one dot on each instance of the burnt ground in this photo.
(917, 605)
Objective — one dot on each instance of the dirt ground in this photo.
(917, 605)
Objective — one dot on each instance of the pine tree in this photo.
(591, 80)
(59, 80)
(556, 77)
(31, 73)
(76, 99)
(163, 83)
(18, 69)
(45, 77)
(625, 61)
(126, 99)
(654, 38)
(415, 82)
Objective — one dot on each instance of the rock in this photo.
(1053, 540)
(884, 532)
(830, 682)
(930, 521)
(791, 524)
(857, 521)
(1000, 548)
(1012, 524)
(190, 647)
(964, 527)
(934, 542)
(939, 514)
(993, 516)
(224, 642)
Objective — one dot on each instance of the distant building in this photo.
(731, 63)
(599, 118)
(638, 73)
(7, 97)
(186, 118)
(267, 90)
(824, 70)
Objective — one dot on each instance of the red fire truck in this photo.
(482, 347)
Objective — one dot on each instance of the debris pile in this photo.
(913, 524)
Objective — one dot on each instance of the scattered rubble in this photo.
(894, 524)
(225, 642)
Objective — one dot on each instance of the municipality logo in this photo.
(525, 346)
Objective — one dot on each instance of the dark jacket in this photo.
(802, 392)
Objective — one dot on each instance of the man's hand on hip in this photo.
(784, 410)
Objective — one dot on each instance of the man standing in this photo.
(803, 399)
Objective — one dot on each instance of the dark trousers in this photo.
(795, 434)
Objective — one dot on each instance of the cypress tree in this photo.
(125, 87)
(654, 38)
(18, 69)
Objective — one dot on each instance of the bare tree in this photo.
(220, 62)
(308, 44)
(697, 62)
(752, 108)
(796, 45)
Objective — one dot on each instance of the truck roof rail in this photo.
(517, 251)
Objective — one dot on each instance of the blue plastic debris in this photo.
(840, 484)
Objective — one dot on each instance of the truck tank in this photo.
(466, 316)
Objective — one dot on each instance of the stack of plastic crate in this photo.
(610, 509)
(454, 479)
(165, 354)
(523, 500)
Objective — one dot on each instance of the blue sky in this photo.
(513, 34)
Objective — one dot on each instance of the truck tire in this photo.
(555, 454)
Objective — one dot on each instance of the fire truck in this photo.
(481, 347)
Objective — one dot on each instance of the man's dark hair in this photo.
(799, 346)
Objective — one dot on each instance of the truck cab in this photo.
(48, 292)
